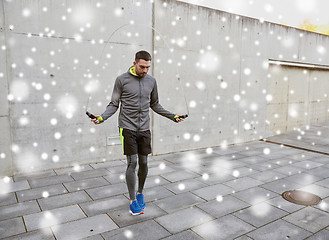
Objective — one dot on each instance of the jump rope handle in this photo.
(181, 116)
(93, 116)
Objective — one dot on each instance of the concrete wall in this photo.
(61, 56)
(300, 97)
(222, 48)
(5, 129)
(56, 56)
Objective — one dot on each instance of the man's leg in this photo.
(131, 176)
(142, 172)
(129, 144)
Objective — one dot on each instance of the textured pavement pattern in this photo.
(232, 193)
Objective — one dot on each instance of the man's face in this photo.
(142, 67)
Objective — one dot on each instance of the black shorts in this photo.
(135, 142)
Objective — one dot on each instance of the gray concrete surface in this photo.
(217, 193)
(56, 54)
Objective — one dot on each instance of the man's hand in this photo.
(95, 120)
(180, 118)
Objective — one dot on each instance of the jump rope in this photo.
(100, 119)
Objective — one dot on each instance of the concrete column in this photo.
(5, 129)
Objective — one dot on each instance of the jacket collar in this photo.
(132, 71)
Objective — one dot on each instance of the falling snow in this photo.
(230, 89)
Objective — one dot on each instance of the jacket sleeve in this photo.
(113, 106)
(156, 107)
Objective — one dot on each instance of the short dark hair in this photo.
(143, 55)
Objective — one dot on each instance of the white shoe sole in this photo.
(135, 214)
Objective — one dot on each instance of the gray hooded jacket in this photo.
(136, 95)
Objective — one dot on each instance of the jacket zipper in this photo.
(140, 104)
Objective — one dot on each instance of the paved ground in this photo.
(232, 193)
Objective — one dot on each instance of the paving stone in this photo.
(322, 235)
(253, 152)
(176, 202)
(267, 176)
(185, 186)
(322, 192)
(37, 193)
(75, 169)
(90, 174)
(185, 235)
(289, 170)
(260, 214)
(236, 156)
(97, 207)
(11, 227)
(123, 218)
(283, 204)
(155, 193)
(323, 183)
(115, 178)
(227, 227)
(155, 181)
(44, 234)
(322, 172)
(244, 171)
(308, 164)
(323, 205)
(7, 199)
(274, 154)
(243, 183)
(255, 195)
(213, 191)
(254, 159)
(230, 150)
(107, 164)
(32, 175)
(300, 156)
(309, 218)
(53, 217)
(261, 167)
(10, 187)
(279, 230)
(243, 238)
(107, 191)
(183, 219)
(283, 162)
(303, 179)
(85, 184)
(223, 206)
(281, 185)
(84, 228)
(215, 178)
(50, 180)
(161, 164)
(220, 164)
(63, 200)
(179, 176)
(18, 210)
(322, 159)
(121, 169)
(94, 237)
(150, 231)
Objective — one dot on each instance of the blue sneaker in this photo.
(140, 200)
(135, 209)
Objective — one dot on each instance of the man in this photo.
(137, 92)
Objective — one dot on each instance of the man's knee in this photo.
(132, 161)
(142, 160)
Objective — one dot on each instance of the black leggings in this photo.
(131, 174)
